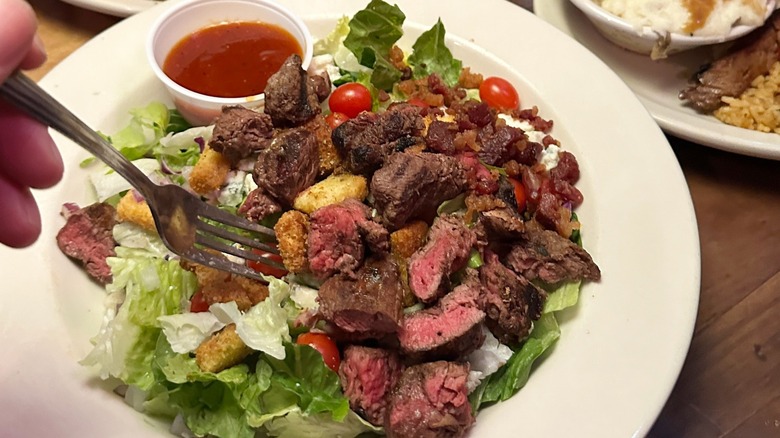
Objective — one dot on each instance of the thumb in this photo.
(17, 33)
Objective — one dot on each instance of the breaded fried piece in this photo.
(292, 229)
(209, 172)
(467, 79)
(332, 190)
(222, 350)
(403, 243)
(329, 157)
(223, 287)
(129, 209)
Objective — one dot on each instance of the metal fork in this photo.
(185, 223)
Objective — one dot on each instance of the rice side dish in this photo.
(758, 108)
(698, 18)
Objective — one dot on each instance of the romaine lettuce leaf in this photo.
(296, 424)
(372, 33)
(431, 55)
(565, 295)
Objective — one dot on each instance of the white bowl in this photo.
(193, 15)
(648, 41)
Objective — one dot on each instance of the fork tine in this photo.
(232, 250)
(235, 237)
(211, 212)
(222, 264)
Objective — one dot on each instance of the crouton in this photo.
(329, 156)
(222, 350)
(292, 229)
(403, 243)
(331, 190)
(209, 172)
(130, 209)
(223, 287)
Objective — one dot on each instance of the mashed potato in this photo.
(699, 18)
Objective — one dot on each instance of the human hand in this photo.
(28, 156)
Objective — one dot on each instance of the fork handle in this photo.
(24, 93)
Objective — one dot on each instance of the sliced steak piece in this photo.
(510, 301)
(502, 223)
(291, 97)
(258, 205)
(732, 74)
(545, 255)
(366, 141)
(367, 307)
(412, 186)
(430, 400)
(367, 376)
(338, 237)
(239, 132)
(449, 330)
(447, 250)
(289, 165)
(87, 237)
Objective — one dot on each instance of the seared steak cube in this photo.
(291, 96)
(258, 205)
(288, 165)
(239, 132)
(87, 237)
(430, 400)
(367, 376)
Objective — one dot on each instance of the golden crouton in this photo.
(129, 209)
(209, 172)
(329, 156)
(292, 229)
(331, 190)
(222, 350)
(403, 243)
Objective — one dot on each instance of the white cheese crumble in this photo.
(486, 360)
(550, 154)
(325, 64)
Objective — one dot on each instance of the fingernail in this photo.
(38, 44)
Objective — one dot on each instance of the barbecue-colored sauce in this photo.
(700, 11)
(230, 59)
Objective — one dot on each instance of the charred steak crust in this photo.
(430, 400)
(291, 99)
(412, 186)
(87, 237)
(289, 165)
(239, 132)
(365, 142)
(446, 250)
(510, 301)
(545, 255)
(367, 307)
(367, 376)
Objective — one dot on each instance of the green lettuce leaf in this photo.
(296, 424)
(372, 33)
(431, 55)
(565, 295)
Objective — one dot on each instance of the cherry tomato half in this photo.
(520, 195)
(336, 119)
(499, 94)
(198, 303)
(265, 269)
(325, 345)
(350, 99)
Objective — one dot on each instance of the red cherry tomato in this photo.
(326, 347)
(520, 195)
(265, 269)
(350, 99)
(336, 119)
(198, 303)
(499, 94)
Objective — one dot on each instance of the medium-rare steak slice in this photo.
(367, 376)
(258, 205)
(338, 236)
(449, 330)
(292, 98)
(367, 140)
(412, 186)
(288, 165)
(239, 132)
(87, 237)
(369, 306)
(510, 301)
(732, 74)
(430, 400)
(551, 258)
(447, 250)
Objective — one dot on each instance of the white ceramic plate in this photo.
(657, 84)
(117, 8)
(621, 349)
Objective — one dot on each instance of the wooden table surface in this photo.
(730, 384)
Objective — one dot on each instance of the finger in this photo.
(21, 220)
(36, 56)
(17, 32)
(28, 155)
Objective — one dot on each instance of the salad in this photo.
(424, 218)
